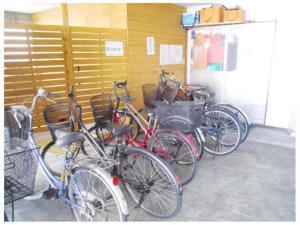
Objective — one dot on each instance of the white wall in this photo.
(281, 108)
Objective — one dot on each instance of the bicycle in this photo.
(172, 146)
(78, 183)
(185, 93)
(148, 180)
(220, 131)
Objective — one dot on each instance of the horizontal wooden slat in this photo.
(85, 42)
(20, 78)
(33, 70)
(34, 56)
(86, 55)
(33, 42)
(34, 63)
(85, 35)
(18, 92)
(34, 49)
(96, 30)
(85, 49)
(33, 34)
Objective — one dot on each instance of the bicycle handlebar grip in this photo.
(21, 109)
(53, 95)
(121, 84)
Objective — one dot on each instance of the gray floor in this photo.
(255, 183)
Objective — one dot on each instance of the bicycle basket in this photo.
(102, 108)
(11, 127)
(184, 116)
(152, 92)
(57, 116)
(169, 94)
(20, 168)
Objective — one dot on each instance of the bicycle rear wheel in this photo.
(151, 182)
(54, 157)
(94, 197)
(222, 131)
(104, 135)
(243, 118)
(177, 151)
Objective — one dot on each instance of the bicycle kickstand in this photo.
(138, 206)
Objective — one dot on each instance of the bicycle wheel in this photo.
(243, 118)
(222, 131)
(177, 151)
(104, 135)
(93, 196)
(54, 157)
(150, 182)
(128, 119)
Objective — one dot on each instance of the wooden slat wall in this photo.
(33, 57)
(161, 21)
(94, 72)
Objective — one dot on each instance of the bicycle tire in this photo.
(106, 194)
(242, 117)
(211, 129)
(133, 181)
(177, 151)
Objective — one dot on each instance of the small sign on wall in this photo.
(150, 46)
(114, 48)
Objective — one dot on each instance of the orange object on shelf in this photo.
(212, 15)
(234, 15)
(199, 52)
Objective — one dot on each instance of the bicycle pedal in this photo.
(51, 193)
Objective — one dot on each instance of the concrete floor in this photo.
(255, 183)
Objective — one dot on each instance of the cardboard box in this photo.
(212, 15)
(234, 15)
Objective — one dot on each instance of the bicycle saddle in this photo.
(118, 130)
(66, 138)
(190, 88)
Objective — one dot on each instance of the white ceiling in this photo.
(25, 8)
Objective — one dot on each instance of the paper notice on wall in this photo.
(171, 54)
(150, 46)
(114, 48)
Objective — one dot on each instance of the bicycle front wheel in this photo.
(177, 151)
(242, 117)
(150, 182)
(93, 196)
(222, 131)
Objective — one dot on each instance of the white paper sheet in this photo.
(171, 54)
(114, 48)
(150, 46)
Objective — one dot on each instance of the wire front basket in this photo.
(20, 168)
(184, 116)
(102, 108)
(57, 116)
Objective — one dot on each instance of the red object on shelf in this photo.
(215, 52)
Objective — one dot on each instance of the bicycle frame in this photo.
(148, 129)
(54, 182)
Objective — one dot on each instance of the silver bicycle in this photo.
(89, 189)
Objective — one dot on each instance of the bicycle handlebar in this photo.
(120, 84)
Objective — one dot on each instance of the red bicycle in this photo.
(175, 147)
